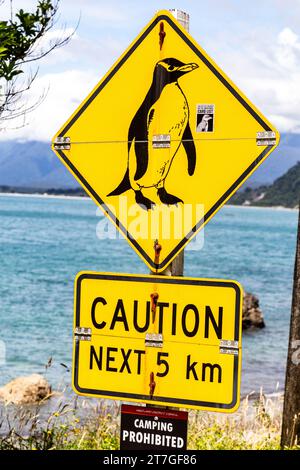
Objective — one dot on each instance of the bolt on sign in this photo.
(163, 141)
(158, 340)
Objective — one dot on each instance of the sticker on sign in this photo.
(169, 341)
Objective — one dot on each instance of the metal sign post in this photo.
(176, 267)
(290, 434)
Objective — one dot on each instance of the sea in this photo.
(46, 241)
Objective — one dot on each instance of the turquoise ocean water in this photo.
(44, 242)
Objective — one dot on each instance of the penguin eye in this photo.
(171, 67)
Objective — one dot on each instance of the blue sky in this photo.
(256, 43)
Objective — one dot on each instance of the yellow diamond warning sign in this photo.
(167, 341)
(163, 141)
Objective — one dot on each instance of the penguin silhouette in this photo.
(149, 167)
(204, 123)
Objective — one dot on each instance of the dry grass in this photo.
(255, 426)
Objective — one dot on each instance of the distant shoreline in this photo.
(46, 196)
(277, 208)
(87, 198)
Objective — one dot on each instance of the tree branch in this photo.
(20, 38)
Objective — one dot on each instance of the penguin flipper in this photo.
(189, 147)
(141, 148)
(123, 186)
(137, 136)
(141, 153)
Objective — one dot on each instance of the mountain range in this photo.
(32, 164)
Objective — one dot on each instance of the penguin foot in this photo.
(143, 201)
(167, 198)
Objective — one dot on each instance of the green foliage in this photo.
(247, 196)
(19, 35)
(285, 191)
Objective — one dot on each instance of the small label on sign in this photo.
(161, 141)
(205, 117)
(145, 428)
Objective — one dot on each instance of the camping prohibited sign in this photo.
(158, 340)
(152, 428)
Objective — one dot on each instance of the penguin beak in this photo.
(187, 67)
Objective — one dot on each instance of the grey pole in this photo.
(177, 266)
(290, 434)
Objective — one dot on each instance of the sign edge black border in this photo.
(160, 280)
(227, 193)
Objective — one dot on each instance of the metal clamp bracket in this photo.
(154, 340)
(266, 138)
(229, 347)
(62, 143)
(83, 334)
(161, 141)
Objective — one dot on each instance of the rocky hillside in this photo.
(285, 191)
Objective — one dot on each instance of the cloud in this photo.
(285, 124)
(267, 69)
(278, 78)
(288, 38)
(114, 13)
(66, 90)
(269, 75)
(82, 52)
(263, 60)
